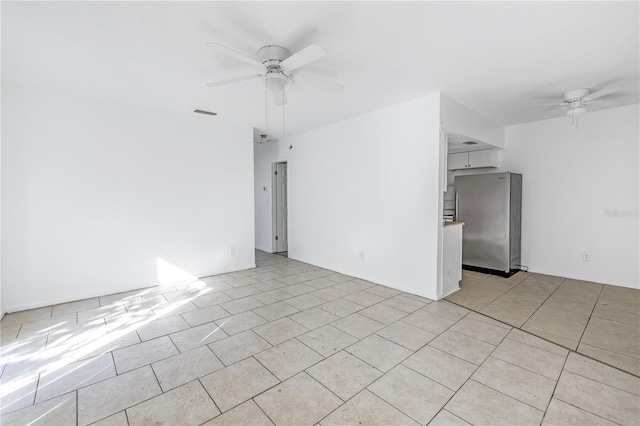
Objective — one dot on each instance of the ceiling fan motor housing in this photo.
(576, 95)
(271, 56)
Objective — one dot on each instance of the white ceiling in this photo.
(493, 57)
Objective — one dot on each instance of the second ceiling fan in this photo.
(278, 67)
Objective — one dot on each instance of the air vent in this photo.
(200, 111)
(470, 143)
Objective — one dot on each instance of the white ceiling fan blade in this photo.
(233, 80)
(317, 83)
(235, 54)
(307, 55)
(602, 92)
(280, 98)
(554, 108)
(548, 103)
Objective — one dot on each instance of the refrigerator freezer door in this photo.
(484, 207)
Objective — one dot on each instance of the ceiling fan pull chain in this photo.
(283, 116)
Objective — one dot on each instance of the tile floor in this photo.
(288, 343)
(600, 321)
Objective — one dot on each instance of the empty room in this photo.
(320, 213)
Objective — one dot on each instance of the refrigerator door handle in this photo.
(456, 218)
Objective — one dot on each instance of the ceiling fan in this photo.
(278, 68)
(574, 102)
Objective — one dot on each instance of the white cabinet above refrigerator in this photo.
(473, 159)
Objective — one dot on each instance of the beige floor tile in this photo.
(471, 299)
(445, 418)
(467, 348)
(528, 294)
(239, 346)
(602, 400)
(561, 303)
(118, 419)
(614, 314)
(513, 312)
(272, 296)
(344, 374)
(313, 318)
(304, 301)
(97, 315)
(108, 343)
(188, 404)
(185, 367)
(240, 292)
(560, 414)
(480, 330)
(367, 409)
(291, 279)
(379, 352)
(329, 293)
(341, 307)
(383, 313)
(205, 315)
(320, 283)
(624, 362)
(358, 325)
(144, 353)
(602, 373)
(237, 383)
(15, 318)
(47, 325)
(275, 311)
(162, 327)
(338, 278)
(298, 289)
(562, 323)
(412, 338)
(559, 340)
(140, 303)
(573, 295)
(18, 393)
(364, 298)
(327, 340)
(442, 367)
(531, 340)
(74, 376)
(353, 286)
(403, 303)
(412, 393)
(624, 345)
(280, 330)
(240, 282)
(269, 285)
(446, 310)
(530, 358)
(238, 323)
(301, 400)
(479, 404)
(428, 321)
(288, 358)
(80, 305)
(56, 411)
(523, 385)
(631, 331)
(247, 414)
(211, 299)
(383, 291)
(241, 305)
(105, 398)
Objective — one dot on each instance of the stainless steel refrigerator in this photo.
(490, 205)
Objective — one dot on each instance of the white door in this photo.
(281, 236)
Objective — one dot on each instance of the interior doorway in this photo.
(280, 237)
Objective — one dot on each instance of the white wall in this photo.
(264, 156)
(572, 180)
(93, 194)
(459, 119)
(371, 184)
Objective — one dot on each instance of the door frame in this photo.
(274, 204)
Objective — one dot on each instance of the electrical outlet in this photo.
(361, 255)
(586, 257)
(233, 251)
